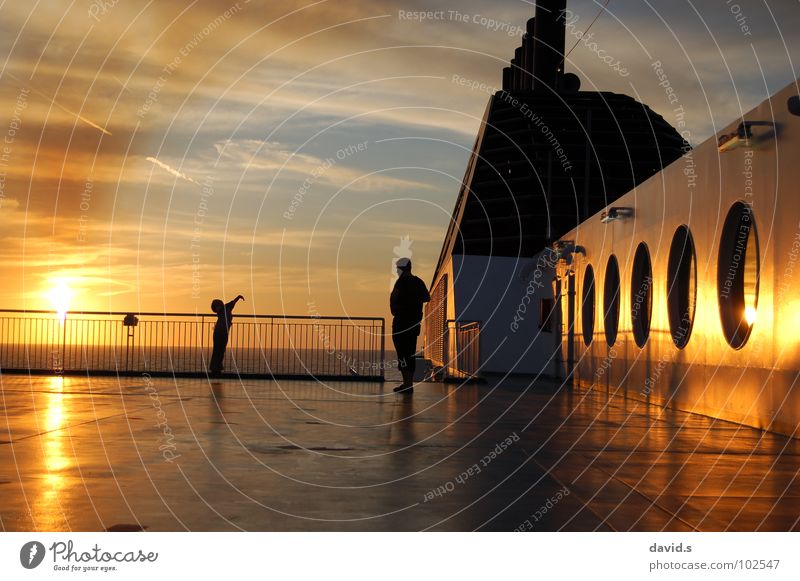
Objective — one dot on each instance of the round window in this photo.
(641, 294)
(737, 275)
(611, 300)
(681, 286)
(587, 305)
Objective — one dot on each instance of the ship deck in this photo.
(93, 454)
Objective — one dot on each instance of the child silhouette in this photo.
(222, 328)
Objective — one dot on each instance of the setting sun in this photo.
(60, 296)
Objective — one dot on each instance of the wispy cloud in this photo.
(274, 157)
(55, 103)
(171, 170)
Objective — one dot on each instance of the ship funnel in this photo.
(538, 64)
(548, 50)
(527, 56)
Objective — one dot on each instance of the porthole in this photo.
(611, 300)
(681, 286)
(587, 305)
(737, 275)
(641, 294)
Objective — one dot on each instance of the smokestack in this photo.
(523, 65)
(527, 56)
(519, 73)
(507, 78)
(548, 50)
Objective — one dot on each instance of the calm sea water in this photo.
(353, 363)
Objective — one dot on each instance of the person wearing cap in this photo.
(408, 296)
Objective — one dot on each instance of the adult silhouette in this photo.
(408, 296)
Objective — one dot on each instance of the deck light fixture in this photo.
(615, 213)
(739, 138)
(743, 136)
(565, 249)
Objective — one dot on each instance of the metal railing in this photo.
(180, 344)
(436, 323)
(463, 347)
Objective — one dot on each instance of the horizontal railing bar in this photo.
(196, 374)
(144, 314)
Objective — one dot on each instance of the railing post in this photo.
(63, 356)
(446, 351)
(383, 350)
(459, 349)
(128, 350)
(478, 359)
(202, 342)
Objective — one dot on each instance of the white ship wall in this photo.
(755, 384)
(503, 294)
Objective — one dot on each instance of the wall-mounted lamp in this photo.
(560, 245)
(743, 136)
(615, 213)
(739, 138)
(565, 249)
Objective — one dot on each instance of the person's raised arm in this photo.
(232, 304)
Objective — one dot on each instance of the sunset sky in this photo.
(152, 150)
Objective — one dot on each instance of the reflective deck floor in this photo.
(93, 454)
